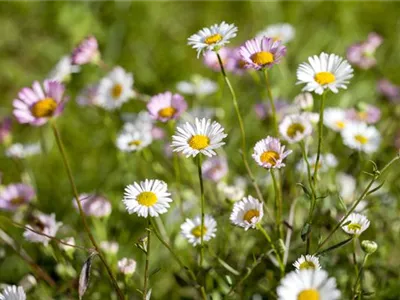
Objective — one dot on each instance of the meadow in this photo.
(323, 180)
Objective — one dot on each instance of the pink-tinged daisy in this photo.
(389, 90)
(42, 223)
(86, 52)
(16, 195)
(262, 53)
(269, 153)
(215, 168)
(362, 54)
(5, 130)
(166, 106)
(94, 205)
(367, 113)
(36, 106)
(210, 59)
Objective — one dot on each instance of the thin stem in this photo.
(289, 231)
(81, 212)
(320, 131)
(271, 101)
(355, 256)
(278, 205)
(146, 268)
(202, 209)
(358, 282)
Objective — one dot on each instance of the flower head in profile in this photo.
(269, 153)
(127, 266)
(63, 70)
(295, 128)
(86, 52)
(215, 168)
(22, 151)
(193, 231)
(197, 86)
(361, 137)
(363, 54)
(307, 262)
(247, 213)
(201, 137)
(308, 285)
(13, 292)
(262, 53)
(42, 223)
(38, 104)
(326, 71)
(147, 198)
(166, 106)
(355, 224)
(115, 89)
(16, 195)
(335, 118)
(283, 32)
(134, 138)
(212, 38)
(94, 205)
(367, 113)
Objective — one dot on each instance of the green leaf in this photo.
(338, 245)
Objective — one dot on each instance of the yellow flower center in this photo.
(135, 143)
(250, 214)
(147, 198)
(361, 139)
(310, 294)
(167, 112)
(199, 142)
(307, 265)
(262, 58)
(354, 226)
(324, 78)
(116, 91)
(198, 232)
(44, 108)
(212, 39)
(269, 157)
(295, 128)
(340, 124)
(17, 201)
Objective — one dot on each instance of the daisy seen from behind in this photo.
(361, 137)
(247, 213)
(355, 224)
(269, 153)
(192, 230)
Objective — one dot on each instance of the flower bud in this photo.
(369, 247)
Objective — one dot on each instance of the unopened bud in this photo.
(369, 247)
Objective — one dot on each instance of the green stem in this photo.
(146, 268)
(271, 101)
(320, 131)
(81, 212)
(202, 209)
(278, 205)
(358, 283)
(355, 256)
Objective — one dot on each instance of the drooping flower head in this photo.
(361, 137)
(269, 153)
(86, 52)
(307, 262)
(259, 54)
(149, 197)
(247, 213)
(37, 105)
(356, 224)
(279, 32)
(115, 89)
(295, 128)
(362, 54)
(42, 223)
(215, 168)
(201, 137)
(134, 138)
(63, 70)
(308, 285)
(193, 231)
(94, 205)
(335, 118)
(16, 195)
(212, 38)
(166, 106)
(326, 71)
(367, 113)
(13, 292)
(127, 266)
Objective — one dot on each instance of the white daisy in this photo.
(335, 118)
(295, 128)
(45, 224)
(149, 197)
(211, 38)
(13, 292)
(133, 138)
(198, 86)
(192, 230)
(326, 71)
(326, 161)
(308, 285)
(63, 70)
(357, 224)
(282, 31)
(115, 89)
(269, 153)
(361, 137)
(201, 137)
(304, 101)
(247, 213)
(307, 262)
(127, 266)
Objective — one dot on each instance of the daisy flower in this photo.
(215, 168)
(326, 71)
(198, 86)
(335, 118)
(295, 128)
(149, 197)
(367, 113)
(361, 137)
(115, 89)
(94, 205)
(357, 224)
(13, 292)
(43, 223)
(212, 38)
(233, 192)
(247, 213)
(36, 105)
(304, 101)
(86, 52)
(201, 137)
(193, 232)
(21, 151)
(127, 266)
(16, 195)
(259, 54)
(166, 106)
(279, 32)
(63, 70)
(308, 285)
(269, 153)
(326, 161)
(134, 138)
(362, 54)
(307, 262)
